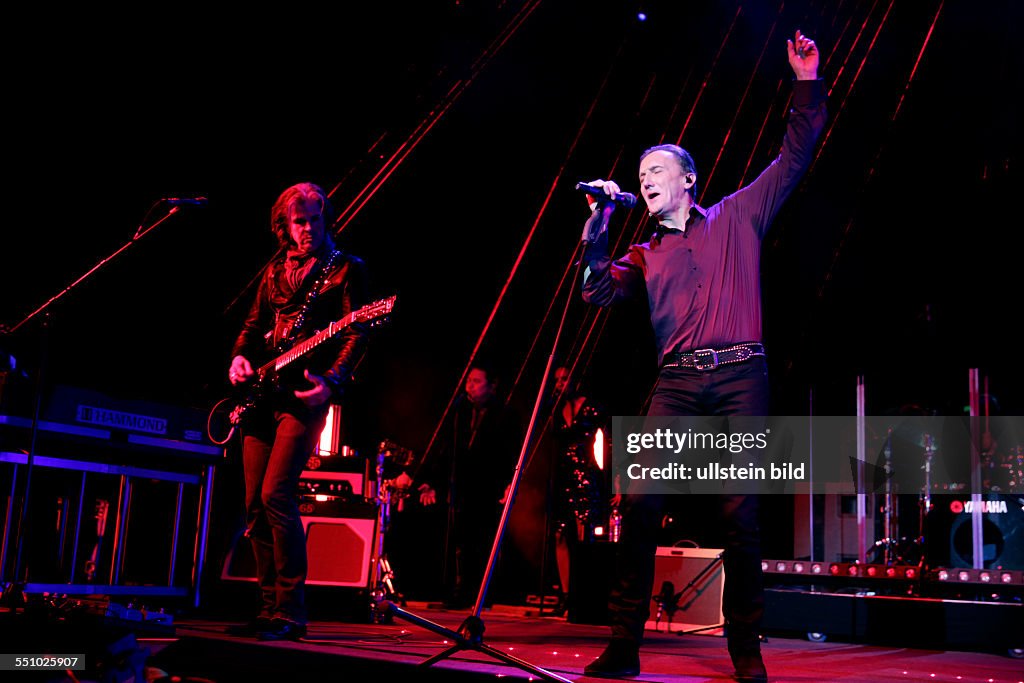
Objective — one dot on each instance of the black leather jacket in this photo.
(272, 315)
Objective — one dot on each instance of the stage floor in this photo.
(358, 651)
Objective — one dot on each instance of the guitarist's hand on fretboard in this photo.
(241, 371)
(318, 395)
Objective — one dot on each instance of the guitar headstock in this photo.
(376, 312)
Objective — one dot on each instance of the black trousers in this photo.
(274, 453)
(740, 389)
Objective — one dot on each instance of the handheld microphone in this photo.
(178, 201)
(622, 198)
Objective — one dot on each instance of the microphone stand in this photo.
(470, 633)
(14, 591)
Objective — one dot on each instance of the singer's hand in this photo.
(803, 57)
(610, 187)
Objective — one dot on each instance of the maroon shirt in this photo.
(704, 285)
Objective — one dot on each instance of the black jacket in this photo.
(273, 314)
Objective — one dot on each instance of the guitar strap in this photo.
(322, 274)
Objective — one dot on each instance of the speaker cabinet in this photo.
(950, 531)
(688, 584)
(338, 552)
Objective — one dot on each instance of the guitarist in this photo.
(310, 284)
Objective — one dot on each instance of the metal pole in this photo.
(977, 533)
(862, 532)
(202, 533)
(174, 536)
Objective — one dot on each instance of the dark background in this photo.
(897, 259)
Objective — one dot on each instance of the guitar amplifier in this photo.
(689, 584)
(339, 550)
(320, 505)
(339, 547)
(343, 459)
(348, 486)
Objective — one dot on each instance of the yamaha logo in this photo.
(967, 506)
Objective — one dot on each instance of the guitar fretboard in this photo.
(366, 313)
(307, 345)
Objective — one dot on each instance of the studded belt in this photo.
(709, 359)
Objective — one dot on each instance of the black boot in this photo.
(745, 651)
(249, 629)
(620, 658)
(283, 629)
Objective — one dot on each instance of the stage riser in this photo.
(905, 621)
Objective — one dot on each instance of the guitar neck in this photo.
(306, 345)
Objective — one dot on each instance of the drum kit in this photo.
(930, 511)
(1003, 472)
(894, 548)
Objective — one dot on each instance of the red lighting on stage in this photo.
(885, 572)
(1006, 577)
(985, 577)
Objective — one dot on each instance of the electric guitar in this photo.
(266, 378)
